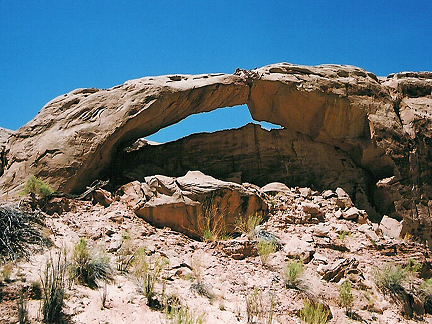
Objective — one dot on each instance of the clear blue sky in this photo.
(48, 48)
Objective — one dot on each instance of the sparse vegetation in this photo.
(389, 279)
(35, 186)
(292, 274)
(211, 223)
(199, 286)
(182, 315)
(314, 313)
(53, 280)
(425, 294)
(256, 309)
(147, 273)
(18, 233)
(125, 254)
(413, 266)
(246, 225)
(89, 268)
(345, 296)
(343, 235)
(265, 248)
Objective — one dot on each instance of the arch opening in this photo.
(207, 122)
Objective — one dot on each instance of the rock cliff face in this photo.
(343, 127)
(4, 138)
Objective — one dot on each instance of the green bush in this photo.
(314, 313)
(36, 186)
(389, 279)
(265, 248)
(89, 268)
(53, 281)
(292, 273)
(345, 296)
(147, 273)
(425, 294)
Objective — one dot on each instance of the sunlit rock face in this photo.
(343, 126)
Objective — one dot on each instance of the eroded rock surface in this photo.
(341, 122)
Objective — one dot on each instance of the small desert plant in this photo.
(425, 294)
(17, 232)
(257, 309)
(345, 296)
(343, 235)
(147, 272)
(22, 308)
(247, 224)
(35, 186)
(125, 254)
(389, 279)
(211, 223)
(265, 248)
(182, 315)
(89, 268)
(292, 274)
(413, 266)
(53, 280)
(314, 313)
(199, 286)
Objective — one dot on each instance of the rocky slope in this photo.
(339, 121)
(231, 279)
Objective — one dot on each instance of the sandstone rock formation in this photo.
(193, 204)
(343, 127)
(4, 137)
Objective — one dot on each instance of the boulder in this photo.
(275, 187)
(193, 203)
(296, 247)
(391, 227)
(343, 199)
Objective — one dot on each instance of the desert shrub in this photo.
(265, 248)
(125, 254)
(17, 233)
(314, 313)
(53, 281)
(36, 186)
(258, 309)
(413, 266)
(389, 279)
(89, 268)
(147, 272)
(182, 315)
(211, 223)
(292, 274)
(425, 294)
(345, 296)
(198, 285)
(247, 224)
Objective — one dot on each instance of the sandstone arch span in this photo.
(75, 137)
